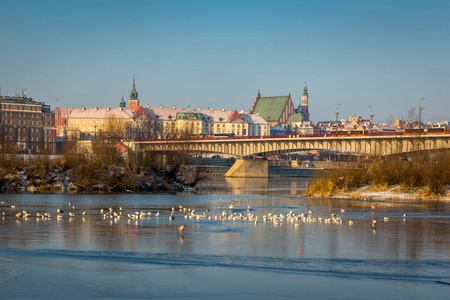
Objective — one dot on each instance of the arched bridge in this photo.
(368, 144)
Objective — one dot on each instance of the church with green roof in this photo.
(280, 110)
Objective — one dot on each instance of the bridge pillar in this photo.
(249, 168)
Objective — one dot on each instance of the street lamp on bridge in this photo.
(337, 114)
(420, 111)
(371, 117)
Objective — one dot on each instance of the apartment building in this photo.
(26, 125)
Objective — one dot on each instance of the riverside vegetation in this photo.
(422, 174)
(104, 168)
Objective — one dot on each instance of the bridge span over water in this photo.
(365, 144)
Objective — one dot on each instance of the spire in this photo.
(305, 90)
(134, 93)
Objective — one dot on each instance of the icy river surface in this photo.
(242, 238)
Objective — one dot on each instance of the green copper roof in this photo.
(295, 118)
(189, 114)
(271, 106)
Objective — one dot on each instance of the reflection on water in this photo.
(415, 246)
(255, 186)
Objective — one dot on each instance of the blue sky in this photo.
(384, 54)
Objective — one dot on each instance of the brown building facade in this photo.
(26, 125)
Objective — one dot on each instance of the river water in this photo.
(92, 256)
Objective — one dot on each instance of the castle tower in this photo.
(133, 102)
(303, 108)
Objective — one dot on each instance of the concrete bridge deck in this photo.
(368, 144)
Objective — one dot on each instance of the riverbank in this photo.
(111, 178)
(391, 193)
(421, 176)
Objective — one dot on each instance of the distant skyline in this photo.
(384, 54)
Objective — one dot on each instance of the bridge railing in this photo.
(352, 133)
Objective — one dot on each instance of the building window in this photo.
(65, 122)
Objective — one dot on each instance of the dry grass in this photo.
(428, 170)
(355, 196)
(338, 180)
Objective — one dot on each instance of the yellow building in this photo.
(93, 121)
(170, 121)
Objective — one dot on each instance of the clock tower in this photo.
(133, 102)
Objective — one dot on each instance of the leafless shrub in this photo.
(421, 169)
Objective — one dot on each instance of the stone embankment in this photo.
(114, 179)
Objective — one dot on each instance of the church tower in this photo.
(133, 102)
(303, 108)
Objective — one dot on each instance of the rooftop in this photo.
(271, 108)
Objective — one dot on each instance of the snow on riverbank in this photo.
(395, 193)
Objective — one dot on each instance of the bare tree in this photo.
(114, 129)
(412, 114)
(390, 120)
(144, 127)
